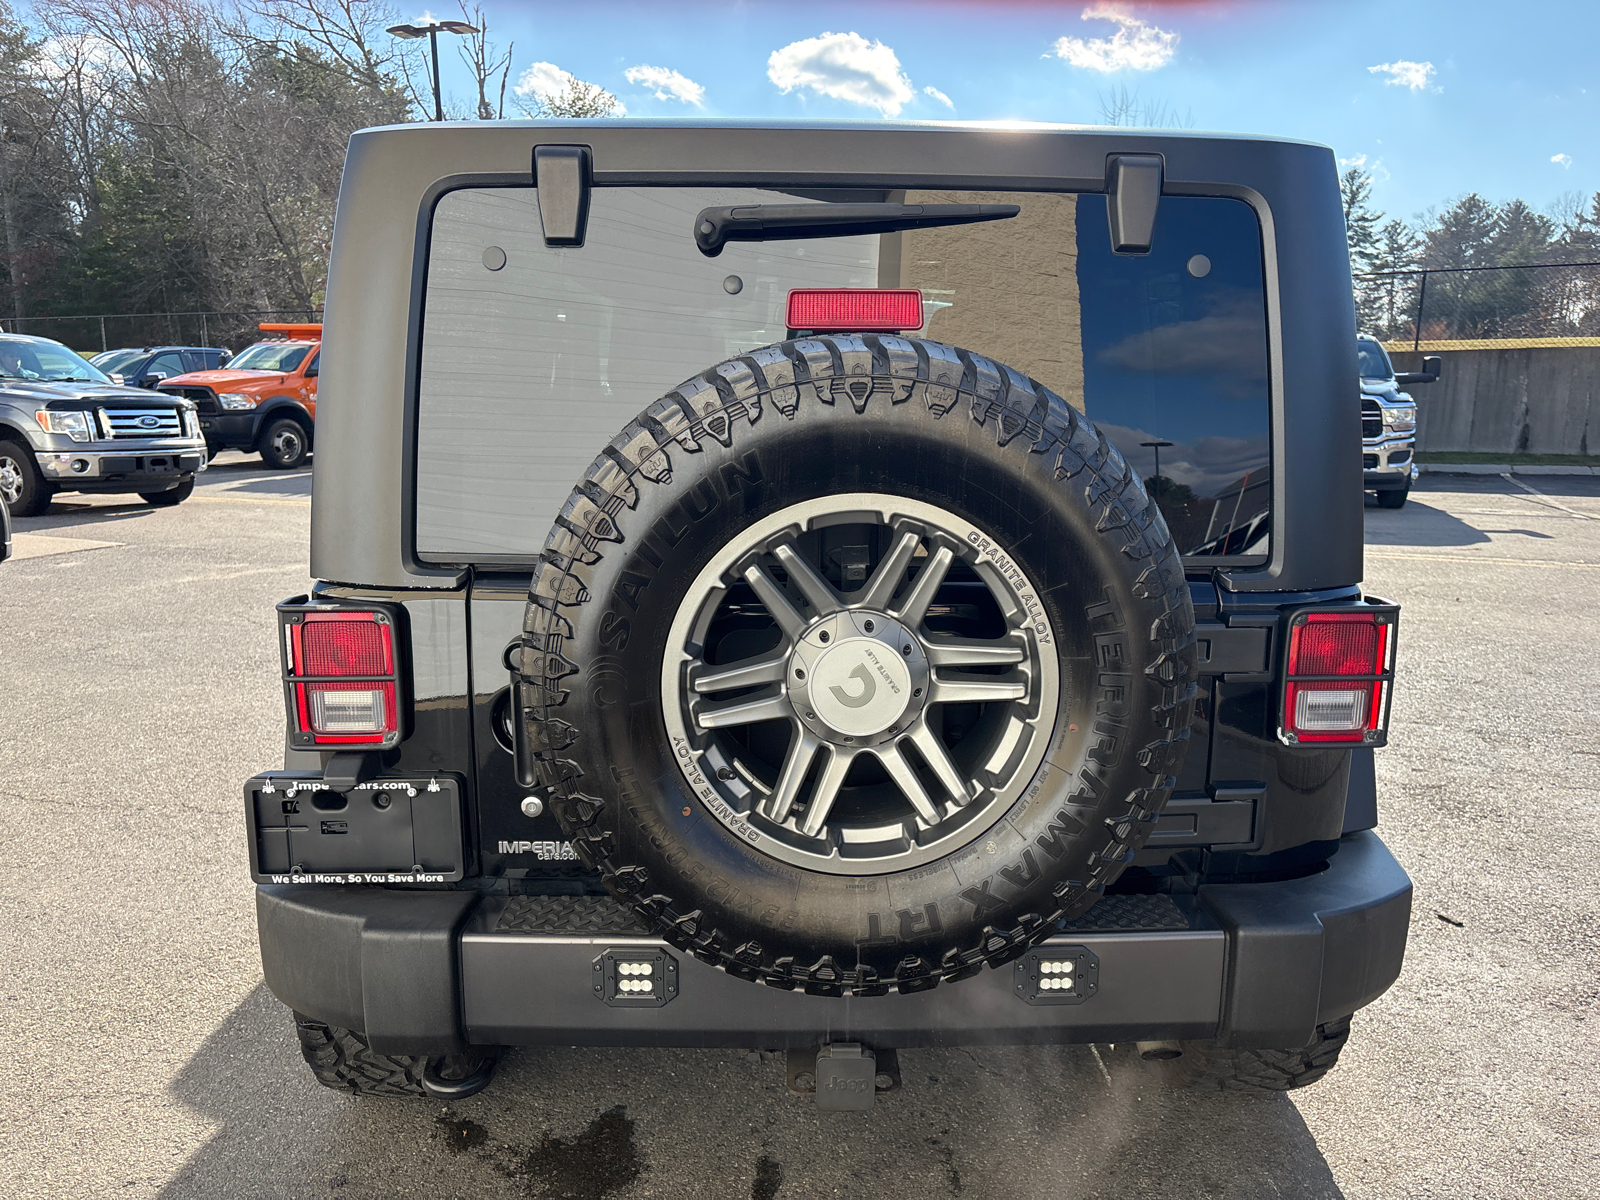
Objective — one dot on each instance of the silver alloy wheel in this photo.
(860, 674)
(287, 444)
(11, 479)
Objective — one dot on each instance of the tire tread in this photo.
(1023, 414)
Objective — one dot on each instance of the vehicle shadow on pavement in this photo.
(1418, 524)
(598, 1124)
(271, 485)
(61, 515)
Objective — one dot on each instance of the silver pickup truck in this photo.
(64, 426)
(1388, 422)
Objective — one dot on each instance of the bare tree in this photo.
(1123, 107)
(485, 64)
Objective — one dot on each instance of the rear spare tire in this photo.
(858, 662)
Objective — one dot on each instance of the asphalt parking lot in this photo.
(138, 689)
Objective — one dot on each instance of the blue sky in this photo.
(1475, 96)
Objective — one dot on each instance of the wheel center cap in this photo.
(859, 686)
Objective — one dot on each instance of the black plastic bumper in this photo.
(231, 430)
(430, 972)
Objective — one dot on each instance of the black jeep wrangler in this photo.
(832, 588)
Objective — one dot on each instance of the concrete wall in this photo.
(1528, 401)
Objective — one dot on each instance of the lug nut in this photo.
(724, 773)
(823, 636)
(918, 692)
(906, 650)
(799, 673)
(869, 626)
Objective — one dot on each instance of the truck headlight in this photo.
(74, 424)
(1401, 419)
(191, 422)
(236, 400)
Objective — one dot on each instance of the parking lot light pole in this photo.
(1157, 447)
(432, 31)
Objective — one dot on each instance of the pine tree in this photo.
(1393, 296)
(1360, 219)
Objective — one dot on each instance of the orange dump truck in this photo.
(265, 400)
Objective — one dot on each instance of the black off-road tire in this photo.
(1204, 1065)
(342, 1059)
(809, 419)
(171, 496)
(1393, 497)
(37, 491)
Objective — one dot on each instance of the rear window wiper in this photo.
(716, 227)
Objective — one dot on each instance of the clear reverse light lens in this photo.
(1332, 708)
(334, 709)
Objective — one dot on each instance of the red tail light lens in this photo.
(855, 310)
(1339, 676)
(340, 675)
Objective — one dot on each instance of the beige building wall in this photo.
(1011, 286)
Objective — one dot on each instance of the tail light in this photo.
(855, 310)
(341, 676)
(1339, 675)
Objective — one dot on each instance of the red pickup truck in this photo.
(265, 400)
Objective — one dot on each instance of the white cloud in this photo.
(1135, 46)
(1372, 166)
(1564, 159)
(81, 54)
(844, 66)
(1404, 73)
(667, 84)
(544, 81)
(939, 96)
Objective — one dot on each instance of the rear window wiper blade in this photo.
(716, 227)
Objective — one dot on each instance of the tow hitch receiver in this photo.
(843, 1076)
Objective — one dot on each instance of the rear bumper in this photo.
(430, 972)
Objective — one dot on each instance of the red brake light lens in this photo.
(345, 645)
(1340, 672)
(855, 310)
(1335, 644)
(344, 688)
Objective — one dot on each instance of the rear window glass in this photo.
(534, 357)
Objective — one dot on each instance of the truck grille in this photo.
(140, 422)
(204, 398)
(1371, 419)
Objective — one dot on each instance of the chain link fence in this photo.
(1443, 308)
(94, 332)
